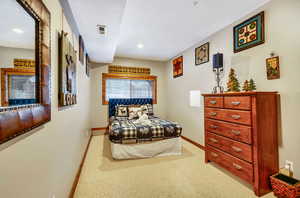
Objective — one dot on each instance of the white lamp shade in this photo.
(195, 98)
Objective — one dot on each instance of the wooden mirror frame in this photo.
(17, 120)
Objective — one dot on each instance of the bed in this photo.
(130, 139)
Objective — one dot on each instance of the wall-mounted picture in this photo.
(202, 54)
(87, 65)
(273, 71)
(178, 67)
(67, 72)
(81, 50)
(249, 33)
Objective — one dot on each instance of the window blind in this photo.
(125, 88)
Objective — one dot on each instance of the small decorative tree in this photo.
(246, 86)
(252, 85)
(233, 84)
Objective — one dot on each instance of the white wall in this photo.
(282, 37)
(45, 163)
(8, 54)
(100, 112)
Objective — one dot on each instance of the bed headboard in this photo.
(122, 101)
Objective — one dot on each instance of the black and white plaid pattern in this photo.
(150, 109)
(128, 129)
(157, 130)
(124, 129)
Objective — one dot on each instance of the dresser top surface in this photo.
(248, 93)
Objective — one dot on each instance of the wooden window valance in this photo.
(24, 63)
(115, 69)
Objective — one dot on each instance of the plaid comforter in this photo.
(123, 130)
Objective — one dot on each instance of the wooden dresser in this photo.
(241, 135)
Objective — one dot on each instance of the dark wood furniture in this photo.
(241, 135)
(17, 120)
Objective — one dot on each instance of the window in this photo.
(124, 86)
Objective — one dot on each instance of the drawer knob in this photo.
(236, 103)
(213, 127)
(236, 166)
(235, 132)
(236, 117)
(236, 149)
(213, 140)
(213, 114)
(214, 154)
(213, 102)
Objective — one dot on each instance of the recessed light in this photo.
(140, 46)
(18, 31)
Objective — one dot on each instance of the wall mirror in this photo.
(17, 55)
(24, 67)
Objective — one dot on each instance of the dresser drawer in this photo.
(236, 116)
(214, 102)
(237, 102)
(234, 131)
(238, 167)
(237, 149)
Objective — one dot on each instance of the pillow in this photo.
(150, 109)
(121, 111)
(133, 111)
(144, 109)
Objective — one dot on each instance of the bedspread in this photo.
(123, 129)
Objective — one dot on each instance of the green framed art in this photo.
(249, 33)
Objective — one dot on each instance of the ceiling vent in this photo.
(101, 29)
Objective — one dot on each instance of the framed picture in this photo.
(81, 49)
(249, 33)
(67, 72)
(87, 65)
(202, 54)
(178, 67)
(273, 71)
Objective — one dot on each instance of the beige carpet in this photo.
(185, 176)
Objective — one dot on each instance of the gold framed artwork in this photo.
(178, 67)
(273, 71)
(202, 54)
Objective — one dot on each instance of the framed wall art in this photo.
(81, 50)
(178, 67)
(273, 71)
(249, 33)
(67, 72)
(202, 54)
(87, 65)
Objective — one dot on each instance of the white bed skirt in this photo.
(160, 148)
